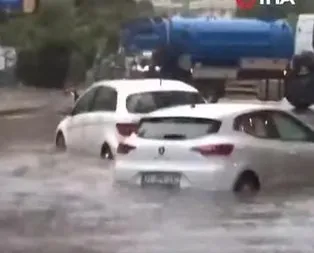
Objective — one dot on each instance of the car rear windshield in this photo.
(146, 102)
(177, 128)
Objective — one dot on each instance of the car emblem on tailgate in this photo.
(161, 150)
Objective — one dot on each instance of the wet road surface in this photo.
(56, 203)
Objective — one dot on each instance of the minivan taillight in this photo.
(126, 129)
(124, 148)
(215, 149)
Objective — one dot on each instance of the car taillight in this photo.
(215, 149)
(126, 129)
(124, 148)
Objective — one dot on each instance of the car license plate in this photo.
(161, 178)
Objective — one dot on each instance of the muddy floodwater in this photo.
(56, 203)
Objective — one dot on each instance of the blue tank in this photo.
(211, 41)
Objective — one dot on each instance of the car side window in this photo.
(290, 129)
(84, 103)
(105, 100)
(141, 103)
(254, 124)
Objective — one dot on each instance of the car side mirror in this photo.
(75, 95)
(72, 92)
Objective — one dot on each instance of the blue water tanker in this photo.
(211, 51)
(211, 41)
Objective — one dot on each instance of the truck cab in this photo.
(304, 34)
(299, 82)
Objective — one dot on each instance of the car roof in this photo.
(212, 111)
(131, 86)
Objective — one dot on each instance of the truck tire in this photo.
(296, 100)
(296, 89)
(299, 105)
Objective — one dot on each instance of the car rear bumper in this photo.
(214, 177)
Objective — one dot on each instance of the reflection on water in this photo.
(58, 203)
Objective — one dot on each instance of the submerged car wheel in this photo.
(106, 152)
(247, 182)
(60, 142)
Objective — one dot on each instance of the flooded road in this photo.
(56, 203)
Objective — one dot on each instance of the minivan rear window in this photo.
(176, 128)
(147, 102)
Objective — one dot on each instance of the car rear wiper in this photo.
(174, 137)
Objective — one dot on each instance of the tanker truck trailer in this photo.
(208, 53)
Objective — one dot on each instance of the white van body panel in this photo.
(304, 35)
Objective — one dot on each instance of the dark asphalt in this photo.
(30, 116)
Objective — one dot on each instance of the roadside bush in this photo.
(26, 67)
(46, 67)
(59, 43)
(53, 64)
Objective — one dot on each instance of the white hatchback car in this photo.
(218, 147)
(109, 111)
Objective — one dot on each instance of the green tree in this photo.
(61, 30)
(145, 8)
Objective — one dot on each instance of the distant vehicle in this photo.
(209, 52)
(13, 8)
(219, 147)
(109, 111)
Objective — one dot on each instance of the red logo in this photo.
(245, 4)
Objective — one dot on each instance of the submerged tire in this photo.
(247, 182)
(106, 152)
(60, 143)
